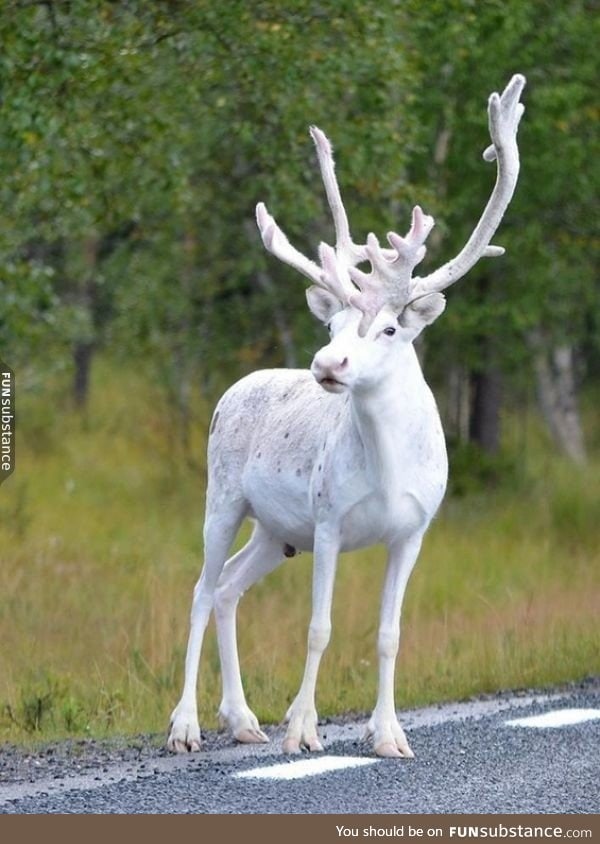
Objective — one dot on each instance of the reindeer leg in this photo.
(302, 714)
(388, 735)
(257, 558)
(219, 532)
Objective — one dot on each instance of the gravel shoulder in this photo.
(92, 762)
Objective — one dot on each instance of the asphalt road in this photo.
(468, 760)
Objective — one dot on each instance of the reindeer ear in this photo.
(423, 311)
(322, 303)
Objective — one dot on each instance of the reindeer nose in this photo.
(328, 366)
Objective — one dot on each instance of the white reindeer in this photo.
(349, 454)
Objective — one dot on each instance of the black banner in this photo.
(7, 422)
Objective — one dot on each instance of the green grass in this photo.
(100, 537)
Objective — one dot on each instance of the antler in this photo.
(333, 274)
(347, 252)
(390, 281)
(505, 112)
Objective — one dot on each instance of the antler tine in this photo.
(277, 243)
(326, 276)
(332, 275)
(411, 249)
(505, 112)
(346, 250)
(390, 280)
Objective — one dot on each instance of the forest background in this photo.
(135, 140)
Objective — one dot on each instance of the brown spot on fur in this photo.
(289, 550)
(213, 427)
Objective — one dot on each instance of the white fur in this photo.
(326, 471)
(339, 458)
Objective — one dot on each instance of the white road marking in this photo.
(304, 768)
(556, 718)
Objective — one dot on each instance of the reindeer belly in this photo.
(280, 503)
(376, 520)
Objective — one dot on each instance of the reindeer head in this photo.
(370, 314)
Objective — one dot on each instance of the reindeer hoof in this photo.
(251, 736)
(294, 745)
(313, 744)
(184, 738)
(243, 723)
(387, 750)
(389, 740)
(291, 745)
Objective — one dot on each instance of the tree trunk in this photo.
(83, 353)
(279, 315)
(557, 396)
(84, 347)
(280, 320)
(457, 413)
(486, 401)
(184, 348)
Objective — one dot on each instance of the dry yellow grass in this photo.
(100, 536)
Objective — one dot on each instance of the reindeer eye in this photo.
(389, 331)
(328, 327)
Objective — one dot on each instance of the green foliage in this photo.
(156, 136)
(134, 145)
(473, 470)
(45, 703)
(547, 276)
(135, 141)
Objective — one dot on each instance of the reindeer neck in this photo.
(391, 417)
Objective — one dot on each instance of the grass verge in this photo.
(100, 534)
